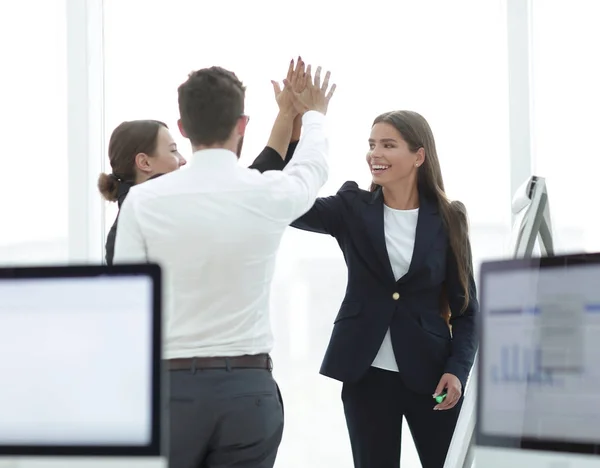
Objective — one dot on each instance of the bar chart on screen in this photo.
(517, 364)
(529, 397)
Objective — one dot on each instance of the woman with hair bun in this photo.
(138, 150)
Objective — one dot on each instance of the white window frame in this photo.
(85, 124)
(518, 20)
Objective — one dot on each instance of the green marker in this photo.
(441, 397)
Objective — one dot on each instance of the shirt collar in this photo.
(214, 157)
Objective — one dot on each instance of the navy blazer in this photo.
(411, 307)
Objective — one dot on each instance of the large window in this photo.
(33, 119)
(566, 98)
(446, 60)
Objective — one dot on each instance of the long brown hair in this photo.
(417, 133)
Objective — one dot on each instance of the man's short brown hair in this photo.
(210, 103)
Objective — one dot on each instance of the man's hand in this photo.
(310, 94)
(284, 98)
(453, 388)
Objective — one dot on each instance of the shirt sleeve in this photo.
(295, 189)
(130, 246)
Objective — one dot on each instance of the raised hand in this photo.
(309, 93)
(284, 98)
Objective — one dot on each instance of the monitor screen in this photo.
(539, 352)
(76, 360)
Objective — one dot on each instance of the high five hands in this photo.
(301, 92)
(285, 97)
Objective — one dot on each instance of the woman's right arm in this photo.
(323, 218)
(327, 214)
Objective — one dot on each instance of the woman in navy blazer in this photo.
(405, 331)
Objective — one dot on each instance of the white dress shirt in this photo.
(215, 229)
(400, 229)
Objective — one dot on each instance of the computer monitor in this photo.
(539, 372)
(80, 366)
(531, 211)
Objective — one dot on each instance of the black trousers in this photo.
(374, 409)
(222, 418)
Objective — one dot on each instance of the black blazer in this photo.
(410, 307)
(267, 160)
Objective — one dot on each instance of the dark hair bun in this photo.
(109, 187)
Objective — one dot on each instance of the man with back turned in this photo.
(215, 229)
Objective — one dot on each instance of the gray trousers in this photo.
(224, 418)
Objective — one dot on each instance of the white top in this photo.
(215, 229)
(400, 228)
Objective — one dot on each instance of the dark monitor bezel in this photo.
(528, 443)
(154, 447)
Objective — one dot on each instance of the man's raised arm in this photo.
(287, 127)
(295, 189)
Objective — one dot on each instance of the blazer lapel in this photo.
(373, 215)
(429, 224)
